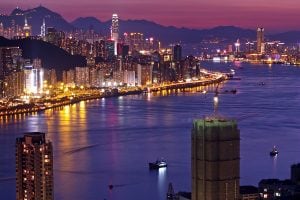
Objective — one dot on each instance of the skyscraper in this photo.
(10, 62)
(135, 41)
(34, 167)
(34, 79)
(260, 40)
(43, 29)
(237, 46)
(177, 53)
(295, 173)
(26, 28)
(110, 49)
(115, 31)
(215, 159)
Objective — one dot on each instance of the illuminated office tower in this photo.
(115, 31)
(260, 40)
(43, 29)
(237, 46)
(110, 49)
(136, 41)
(34, 167)
(215, 159)
(27, 29)
(34, 80)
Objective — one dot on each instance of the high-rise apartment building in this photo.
(260, 40)
(136, 41)
(10, 62)
(14, 84)
(34, 167)
(215, 159)
(129, 78)
(82, 76)
(144, 74)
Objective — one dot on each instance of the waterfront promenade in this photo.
(76, 96)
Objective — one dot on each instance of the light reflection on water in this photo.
(274, 165)
(111, 141)
(162, 181)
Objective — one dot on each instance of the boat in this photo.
(158, 164)
(233, 91)
(274, 152)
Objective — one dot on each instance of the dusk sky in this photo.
(274, 15)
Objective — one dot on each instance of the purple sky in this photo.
(274, 15)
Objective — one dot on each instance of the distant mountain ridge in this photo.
(35, 18)
(167, 34)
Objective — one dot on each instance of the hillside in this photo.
(51, 55)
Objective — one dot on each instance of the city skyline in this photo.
(87, 106)
(269, 14)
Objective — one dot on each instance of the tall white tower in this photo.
(114, 30)
(43, 29)
(237, 46)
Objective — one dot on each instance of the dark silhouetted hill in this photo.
(52, 56)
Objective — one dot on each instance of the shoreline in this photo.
(33, 108)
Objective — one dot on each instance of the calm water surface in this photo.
(111, 141)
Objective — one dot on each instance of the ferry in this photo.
(158, 164)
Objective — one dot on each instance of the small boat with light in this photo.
(274, 152)
(158, 164)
